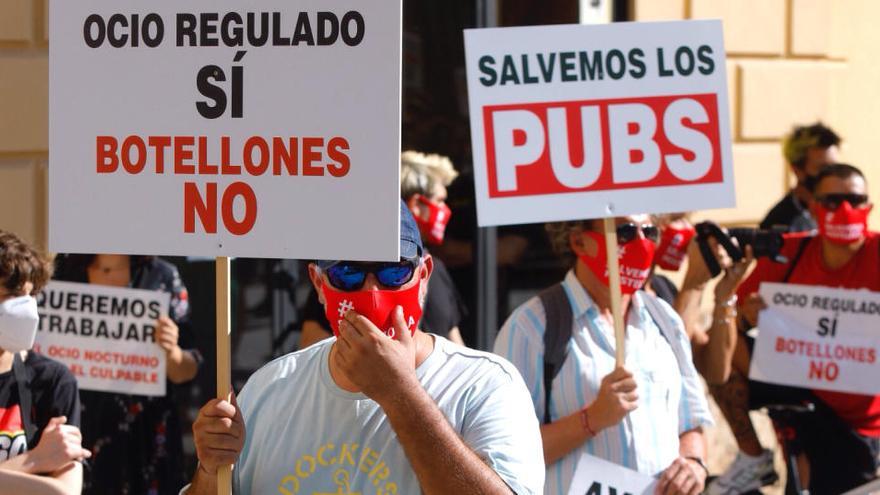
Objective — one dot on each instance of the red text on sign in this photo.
(595, 145)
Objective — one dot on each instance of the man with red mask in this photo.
(647, 415)
(841, 439)
(423, 182)
(381, 408)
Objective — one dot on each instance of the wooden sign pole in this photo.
(614, 288)
(224, 364)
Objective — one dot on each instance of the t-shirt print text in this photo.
(337, 464)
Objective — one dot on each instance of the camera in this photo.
(765, 243)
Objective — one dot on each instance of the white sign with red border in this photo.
(577, 121)
(818, 338)
(225, 128)
(105, 335)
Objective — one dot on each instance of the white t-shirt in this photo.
(307, 436)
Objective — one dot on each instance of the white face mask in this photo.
(18, 323)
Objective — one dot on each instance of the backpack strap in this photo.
(797, 256)
(557, 334)
(24, 397)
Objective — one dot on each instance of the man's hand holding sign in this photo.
(635, 124)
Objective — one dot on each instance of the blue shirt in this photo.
(671, 396)
(305, 435)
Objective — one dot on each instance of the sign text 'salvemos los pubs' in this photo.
(105, 335)
(819, 338)
(220, 128)
(574, 122)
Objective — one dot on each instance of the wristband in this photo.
(699, 461)
(585, 422)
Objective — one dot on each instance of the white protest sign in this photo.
(594, 476)
(223, 128)
(575, 121)
(819, 338)
(105, 335)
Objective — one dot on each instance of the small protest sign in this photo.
(573, 121)
(819, 338)
(595, 476)
(105, 335)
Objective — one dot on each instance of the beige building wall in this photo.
(790, 62)
(24, 122)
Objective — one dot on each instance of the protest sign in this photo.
(105, 335)
(217, 128)
(573, 122)
(818, 338)
(570, 122)
(594, 476)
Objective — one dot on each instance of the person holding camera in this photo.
(647, 415)
(840, 441)
(808, 149)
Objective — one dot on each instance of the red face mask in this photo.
(376, 305)
(434, 228)
(673, 247)
(845, 225)
(635, 258)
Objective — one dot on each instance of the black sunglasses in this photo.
(351, 275)
(833, 201)
(628, 231)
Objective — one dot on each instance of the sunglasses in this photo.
(627, 232)
(350, 275)
(834, 200)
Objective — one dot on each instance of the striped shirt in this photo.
(671, 396)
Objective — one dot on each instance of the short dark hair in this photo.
(20, 264)
(839, 170)
(802, 138)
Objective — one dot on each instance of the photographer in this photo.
(841, 439)
(807, 150)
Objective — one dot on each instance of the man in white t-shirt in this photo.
(382, 408)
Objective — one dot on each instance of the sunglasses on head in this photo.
(834, 200)
(628, 231)
(350, 275)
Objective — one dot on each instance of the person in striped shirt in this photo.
(647, 415)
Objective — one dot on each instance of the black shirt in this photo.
(444, 308)
(790, 213)
(664, 288)
(53, 393)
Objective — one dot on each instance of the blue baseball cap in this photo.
(410, 238)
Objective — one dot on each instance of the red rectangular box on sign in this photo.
(595, 145)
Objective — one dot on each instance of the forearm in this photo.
(687, 305)
(68, 481)
(23, 463)
(202, 483)
(441, 460)
(182, 366)
(718, 353)
(562, 436)
(692, 444)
